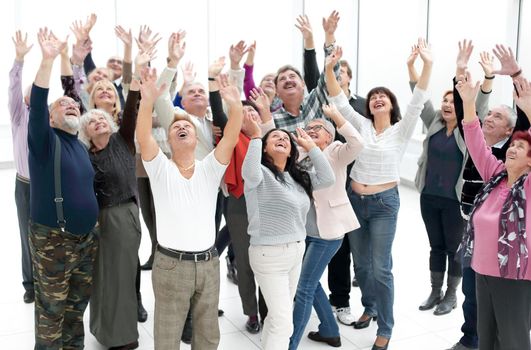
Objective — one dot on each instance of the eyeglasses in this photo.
(114, 60)
(66, 103)
(315, 128)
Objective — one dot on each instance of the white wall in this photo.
(387, 29)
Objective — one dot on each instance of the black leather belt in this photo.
(189, 256)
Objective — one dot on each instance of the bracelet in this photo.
(211, 79)
(136, 77)
(489, 78)
(517, 73)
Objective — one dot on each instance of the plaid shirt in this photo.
(310, 107)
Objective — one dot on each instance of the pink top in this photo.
(487, 217)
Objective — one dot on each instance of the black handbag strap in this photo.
(57, 184)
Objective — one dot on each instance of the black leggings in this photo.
(444, 224)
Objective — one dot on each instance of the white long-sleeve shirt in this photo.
(379, 161)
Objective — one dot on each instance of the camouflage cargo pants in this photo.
(62, 270)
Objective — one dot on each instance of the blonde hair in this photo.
(181, 116)
(117, 104)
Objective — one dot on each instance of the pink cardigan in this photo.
(335, 216)
(487, 217)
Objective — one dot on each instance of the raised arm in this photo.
(522, 96)
(231, 96)
(330, 26)
(236, 73)
(15, 96)
(263, 106)
(248, 66)
(485, 162)
(428, 113)
(39, 123)
(346, 152)
(150, 92)
(216, 104)
(164, 104)
(324, 175)
(425, 55)
(336, 95)
(128, 125)
(311, 70)
(82, 33)
(67, 79)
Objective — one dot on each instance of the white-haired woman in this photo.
(112, 153)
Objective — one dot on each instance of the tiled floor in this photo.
(413, 329)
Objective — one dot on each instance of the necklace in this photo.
(183, 168)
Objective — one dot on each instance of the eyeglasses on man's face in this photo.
(67, 103)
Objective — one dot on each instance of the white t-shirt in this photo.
(185, 207)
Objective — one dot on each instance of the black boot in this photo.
(141, 312)
(449, 301)
(186, 337)
(232, 273)
(436, 295)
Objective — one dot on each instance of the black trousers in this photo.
(339, 281)
(444, 224)
(22, 200)
(504, 313)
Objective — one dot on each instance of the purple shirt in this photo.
(19, 112)
(487, 216)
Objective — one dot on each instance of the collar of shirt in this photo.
(501, 143)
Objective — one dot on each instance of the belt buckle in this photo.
(196, 258)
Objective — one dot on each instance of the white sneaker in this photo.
(344, 316)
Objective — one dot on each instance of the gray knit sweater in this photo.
(276, 211)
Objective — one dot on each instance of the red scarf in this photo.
(233, 174)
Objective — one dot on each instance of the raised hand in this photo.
(229, 93)
(255, 132)
(332, 113)
(143, 57)
(332, 59)
(413, 55)
(216, 67)
(251, 51)
(125, 36)
(466, 88)
(146, 39)
(522, 95)
(148, 85)
(424, 51)
(80, 51)
(80, 32)
(21, 45)
(188, 72)
(236, 53)
(90, 22)
(176, 47)
(509, 65)
(463, 55)
(330, 23)
(260, 99)
(303, 24)
(487, 63)
(50, 45)
(304, 140)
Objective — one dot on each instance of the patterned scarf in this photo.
(512, 235)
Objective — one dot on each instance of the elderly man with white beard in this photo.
(63, 211)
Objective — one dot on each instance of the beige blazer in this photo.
(335, 216)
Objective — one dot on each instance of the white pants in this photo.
(277, 269)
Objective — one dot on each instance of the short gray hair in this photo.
(84, 120)
(511, 115)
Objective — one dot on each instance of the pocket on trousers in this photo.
(390, 204)
(270, 251)
(165, 263)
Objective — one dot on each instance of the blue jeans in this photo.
(318, 254)
(371, 246)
